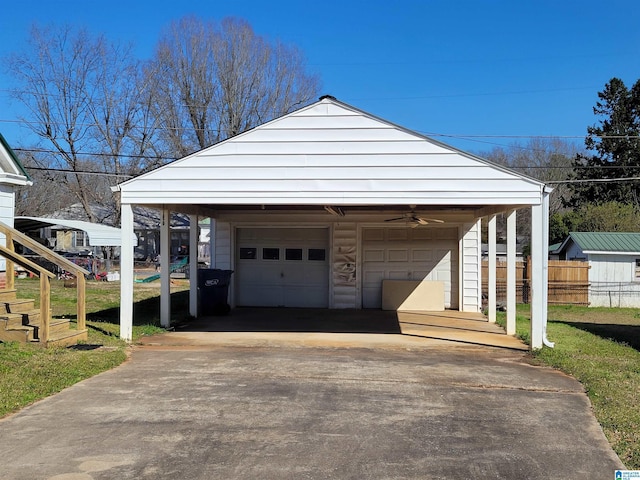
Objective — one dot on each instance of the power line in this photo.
(80, 172)
(97, 154)
(595, 180)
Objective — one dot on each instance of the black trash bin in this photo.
(213, 291)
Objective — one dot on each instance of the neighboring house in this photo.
(319, 207)
(12, 175)
(71, 236)
(69, 230)
(614, 265)
(501, 252)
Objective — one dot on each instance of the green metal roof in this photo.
(607, 241)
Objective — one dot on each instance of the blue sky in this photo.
(489, 70)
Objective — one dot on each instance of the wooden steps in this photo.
(20, 322)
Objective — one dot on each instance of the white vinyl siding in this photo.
(471, 280)
(613, 282)
(7, 208)
(222, 253)
(330, 154)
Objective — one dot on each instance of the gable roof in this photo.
(604, 242)
(11, 170)
(330, 153)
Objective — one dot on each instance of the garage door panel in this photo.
(421, 255)
(374, 255)
(394, 255)
(296, 273)
(409, 254)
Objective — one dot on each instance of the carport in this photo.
(328, 206)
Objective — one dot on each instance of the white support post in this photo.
(165, 268)
(193, 265)
(511, 272)
(539, 272)
(491, 274)
(126, 273)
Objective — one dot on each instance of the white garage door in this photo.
(420, 253)
(282, 267)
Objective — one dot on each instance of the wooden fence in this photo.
(568, 282)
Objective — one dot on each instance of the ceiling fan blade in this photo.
(395, 219)
(433, 220)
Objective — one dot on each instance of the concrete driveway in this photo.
(281, 412)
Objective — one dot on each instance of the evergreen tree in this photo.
(616, 148)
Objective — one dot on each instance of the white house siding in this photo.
(329, 154)
(470, 271)
(7, 207)
(223, 250)
(344, 265)
(612, 282)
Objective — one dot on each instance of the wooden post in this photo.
(81, 309)
(45, 308)
(10, 269)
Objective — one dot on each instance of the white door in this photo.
(400, 253)
(282, 267)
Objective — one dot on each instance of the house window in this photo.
(637, 270)
(80, 239)
(293, 254)
(248, 253)
(271, 254)
(317, 254)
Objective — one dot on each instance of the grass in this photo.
(600, 348)
(29, 373)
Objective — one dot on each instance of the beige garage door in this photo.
(400, 253)
(282, 267)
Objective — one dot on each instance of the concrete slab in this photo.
(316, 413)
(339, 328)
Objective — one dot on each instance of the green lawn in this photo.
(29, 373)
(600, 348)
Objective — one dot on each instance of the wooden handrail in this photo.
(43, 251)
(45, 288)
(45, 275)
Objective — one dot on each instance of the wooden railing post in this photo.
(45, 308)
(10, 266)
(81, 304)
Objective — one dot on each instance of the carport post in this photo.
(165, 268)
(511, 272)
(491, 274)
(193, 265)
(539, 272)
(126, 272)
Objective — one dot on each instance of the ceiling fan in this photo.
(414, 219)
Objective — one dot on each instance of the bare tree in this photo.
(86, 105)
(543, 159)
(218, 80)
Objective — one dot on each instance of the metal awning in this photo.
(99, 235)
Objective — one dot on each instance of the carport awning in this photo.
(99, 235)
